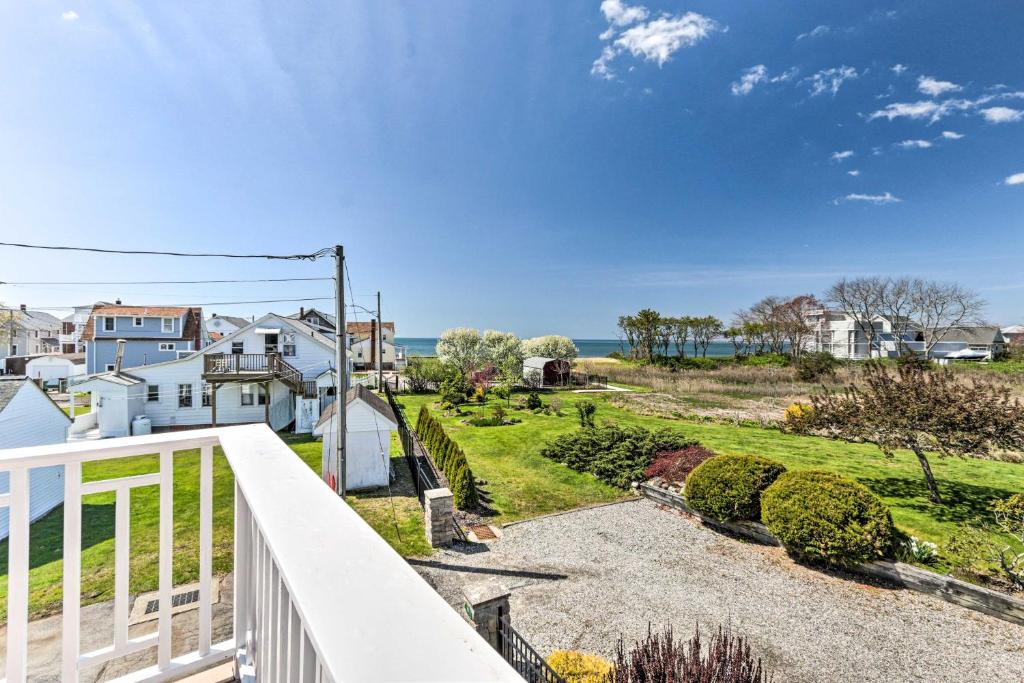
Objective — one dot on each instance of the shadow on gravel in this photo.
(519, 573)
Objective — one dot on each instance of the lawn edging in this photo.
(947, 588)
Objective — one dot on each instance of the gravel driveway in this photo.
(581, 579)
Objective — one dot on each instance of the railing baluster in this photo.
(166, 555)
(307, 667)
(259, 606)
(273, 624)
(243, 581)
(294, 644)
(205, 546)
(122, 544)
(72, 570)
(17, 576)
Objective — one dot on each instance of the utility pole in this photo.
(380, 349)
(340, 368)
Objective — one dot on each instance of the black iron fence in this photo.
(424, 475)
(521, 655)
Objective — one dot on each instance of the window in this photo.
(153, 392)
(167, 325)
(237, 347)
(137, 321)
(288, 346)
(253, 394)
(206, 397)
(270, 343)
(167, 346)
(110, 367)
(184, 395)
(14, 349)
(311, 320)
(108, 324)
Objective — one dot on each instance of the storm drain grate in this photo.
(186, 598)
(483, 532)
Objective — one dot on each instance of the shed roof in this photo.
(362, 393)
(10, 386)
(536, 361)
(121, 378)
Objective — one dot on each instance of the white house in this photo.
(219, 326)
(265, 372)
(56, 367)
(843, 336)
(28, 417)
(369, 422)
(363, 342)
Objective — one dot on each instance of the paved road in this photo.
(582, 579)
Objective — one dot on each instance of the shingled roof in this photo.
(371, 399)
(192, 329)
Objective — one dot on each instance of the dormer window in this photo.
(167, 325)
(137, 321)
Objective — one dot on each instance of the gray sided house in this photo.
(153, 334)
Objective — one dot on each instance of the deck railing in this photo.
(318, 595)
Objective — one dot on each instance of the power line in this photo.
(208, 303)
(320, 253)
(172, 282)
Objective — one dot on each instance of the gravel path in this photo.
(581, 579)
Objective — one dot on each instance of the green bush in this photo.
(777, 360)
(448, 458)
(616, 455)
(824, 517)
(728, 487)
(533, 401)
(815, 365)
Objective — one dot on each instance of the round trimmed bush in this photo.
(824, 517)
(580, 667)
(728, 487)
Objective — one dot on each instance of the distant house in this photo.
(369, 422)
(29, 333)
(1014, 334)
(324, 323)
(363, 342)
(28, 417)
(220, 326)
(546, 372)
(153, 334)
(979, 342)
(55, 367)
(72, 327)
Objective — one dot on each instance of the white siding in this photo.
(367, 450)
(32, 419)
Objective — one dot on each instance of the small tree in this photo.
(504, 392)
(586, 410)
(1009, 516)
(925, 412)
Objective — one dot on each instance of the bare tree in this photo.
(767, 313)
(897, 306)
(793, 318)
(861, 299)
(939, 307)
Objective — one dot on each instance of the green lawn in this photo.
(525, 484)
(46, 547)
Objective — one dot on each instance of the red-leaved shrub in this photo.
(675, 465)
(663, 659)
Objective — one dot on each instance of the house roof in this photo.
(75, 358)
(10, 386)
(233, 319)
(981, 334)
(536, 361)
(364, 328)
(366, 396)
(36, 320)
(122, 378)
(1013, 329)
(299, 315)
(190, 330)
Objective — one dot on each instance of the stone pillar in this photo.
(486, 603)
(437, 516)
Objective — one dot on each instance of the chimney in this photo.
(23, 308)
(117, 301)
(302, 312)
(119, 356)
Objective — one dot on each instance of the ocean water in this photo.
(589, 348)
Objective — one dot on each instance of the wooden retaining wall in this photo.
(947, 588)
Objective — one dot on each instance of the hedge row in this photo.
(449, 458)
(817, 516)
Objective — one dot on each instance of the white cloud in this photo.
(653, 41)
(854, 173)
(829, 80)
(877, 199)
(952, 135)
(910, 110)
(1002, 115)
(619, 14)
(786, 76)
(898, 69)
(69, 15)
(933, 88)
(815, 32)
(914, 144)
(1015, 179)
(840, 156)
(750, 78)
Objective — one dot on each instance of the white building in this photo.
(369, 422)
(219, 326)
(363, 342)
(55, 368)
(28, 417)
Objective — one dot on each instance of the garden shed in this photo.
(547, 372)
(369, 422)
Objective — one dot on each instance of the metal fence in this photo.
(424, 475)
(522, 657)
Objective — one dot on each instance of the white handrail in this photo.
(319, 596)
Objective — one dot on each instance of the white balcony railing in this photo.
(318, 595)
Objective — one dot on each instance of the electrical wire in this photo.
(208, 303)
(320, 253)
(171, 282)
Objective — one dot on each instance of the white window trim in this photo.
(168, 346)
(138, 321)
(103, 323)
(149, 393)
(163, 325)
(191, 394)
(241, 343)
(110, 367)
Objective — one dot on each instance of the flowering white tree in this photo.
(550, 346)
(460, 347)
(502, 349)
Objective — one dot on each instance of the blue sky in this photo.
(535, 166)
